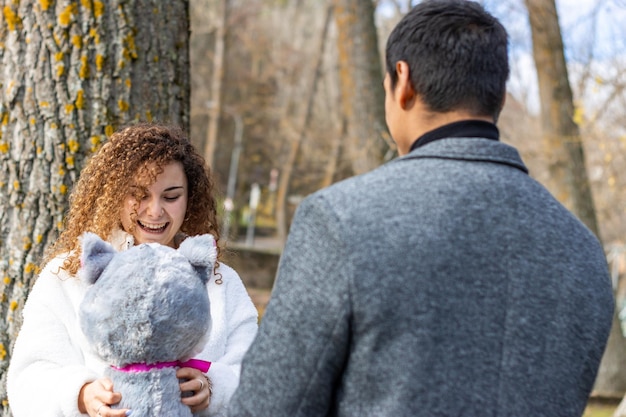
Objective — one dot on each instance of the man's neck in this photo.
(425, 121)
(431, 120)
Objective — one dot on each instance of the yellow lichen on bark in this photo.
(73, 146)
(129, 40)
(77, 41)
(12, 19)
(65, 17)
(123, 105)
(86, 4)
(95, 143)
(98, 8)
(80, 99)
(45, 4)
(99, 62)
(84, 67)
(94, 34)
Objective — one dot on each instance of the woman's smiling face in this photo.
(158, 216)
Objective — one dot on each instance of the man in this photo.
(446, 282)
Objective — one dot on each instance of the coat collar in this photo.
(121, 240)
(460, 129)
(464, 149)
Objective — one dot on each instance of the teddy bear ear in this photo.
(96, 255)
(201, 251)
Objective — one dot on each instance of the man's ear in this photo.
(404, 92)
(497, 115)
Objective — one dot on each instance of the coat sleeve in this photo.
(234, 326)
(47, 369)
(293, 366)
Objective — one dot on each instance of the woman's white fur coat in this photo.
(51, 359)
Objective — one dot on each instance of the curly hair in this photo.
(134, 154)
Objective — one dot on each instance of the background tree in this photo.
(73, 71)
(360, 75)
(215, 104)
(569, 182)
(300, 130)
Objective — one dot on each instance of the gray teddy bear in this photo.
(146, 312)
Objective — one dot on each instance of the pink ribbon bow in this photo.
(199, 364)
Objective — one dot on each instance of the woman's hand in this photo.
(95, 398)
(199, 383)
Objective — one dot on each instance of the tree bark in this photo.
(569, 181)
(297, 136)
(215, 105)
(73, 71)
(361, 78)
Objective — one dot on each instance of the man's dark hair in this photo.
(457, 55)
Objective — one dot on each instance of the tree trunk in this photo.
(215, 105)
(611, 380)
(297, 136)
(569, 180)
(568, 173)
(361, 84)
(73, 71)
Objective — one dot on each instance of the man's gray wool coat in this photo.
(445, 283)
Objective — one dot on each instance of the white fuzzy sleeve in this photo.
(234, 325)
(47, 368)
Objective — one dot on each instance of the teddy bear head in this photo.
(147, 304)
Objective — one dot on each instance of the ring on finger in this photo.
(201, 384)
(98, 412)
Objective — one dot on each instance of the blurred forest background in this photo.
(282, 68)
(284, 97)
(299, 76)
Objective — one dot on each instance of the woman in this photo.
(147, 184)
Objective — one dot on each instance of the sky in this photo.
(577, 19)
(590, 28)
